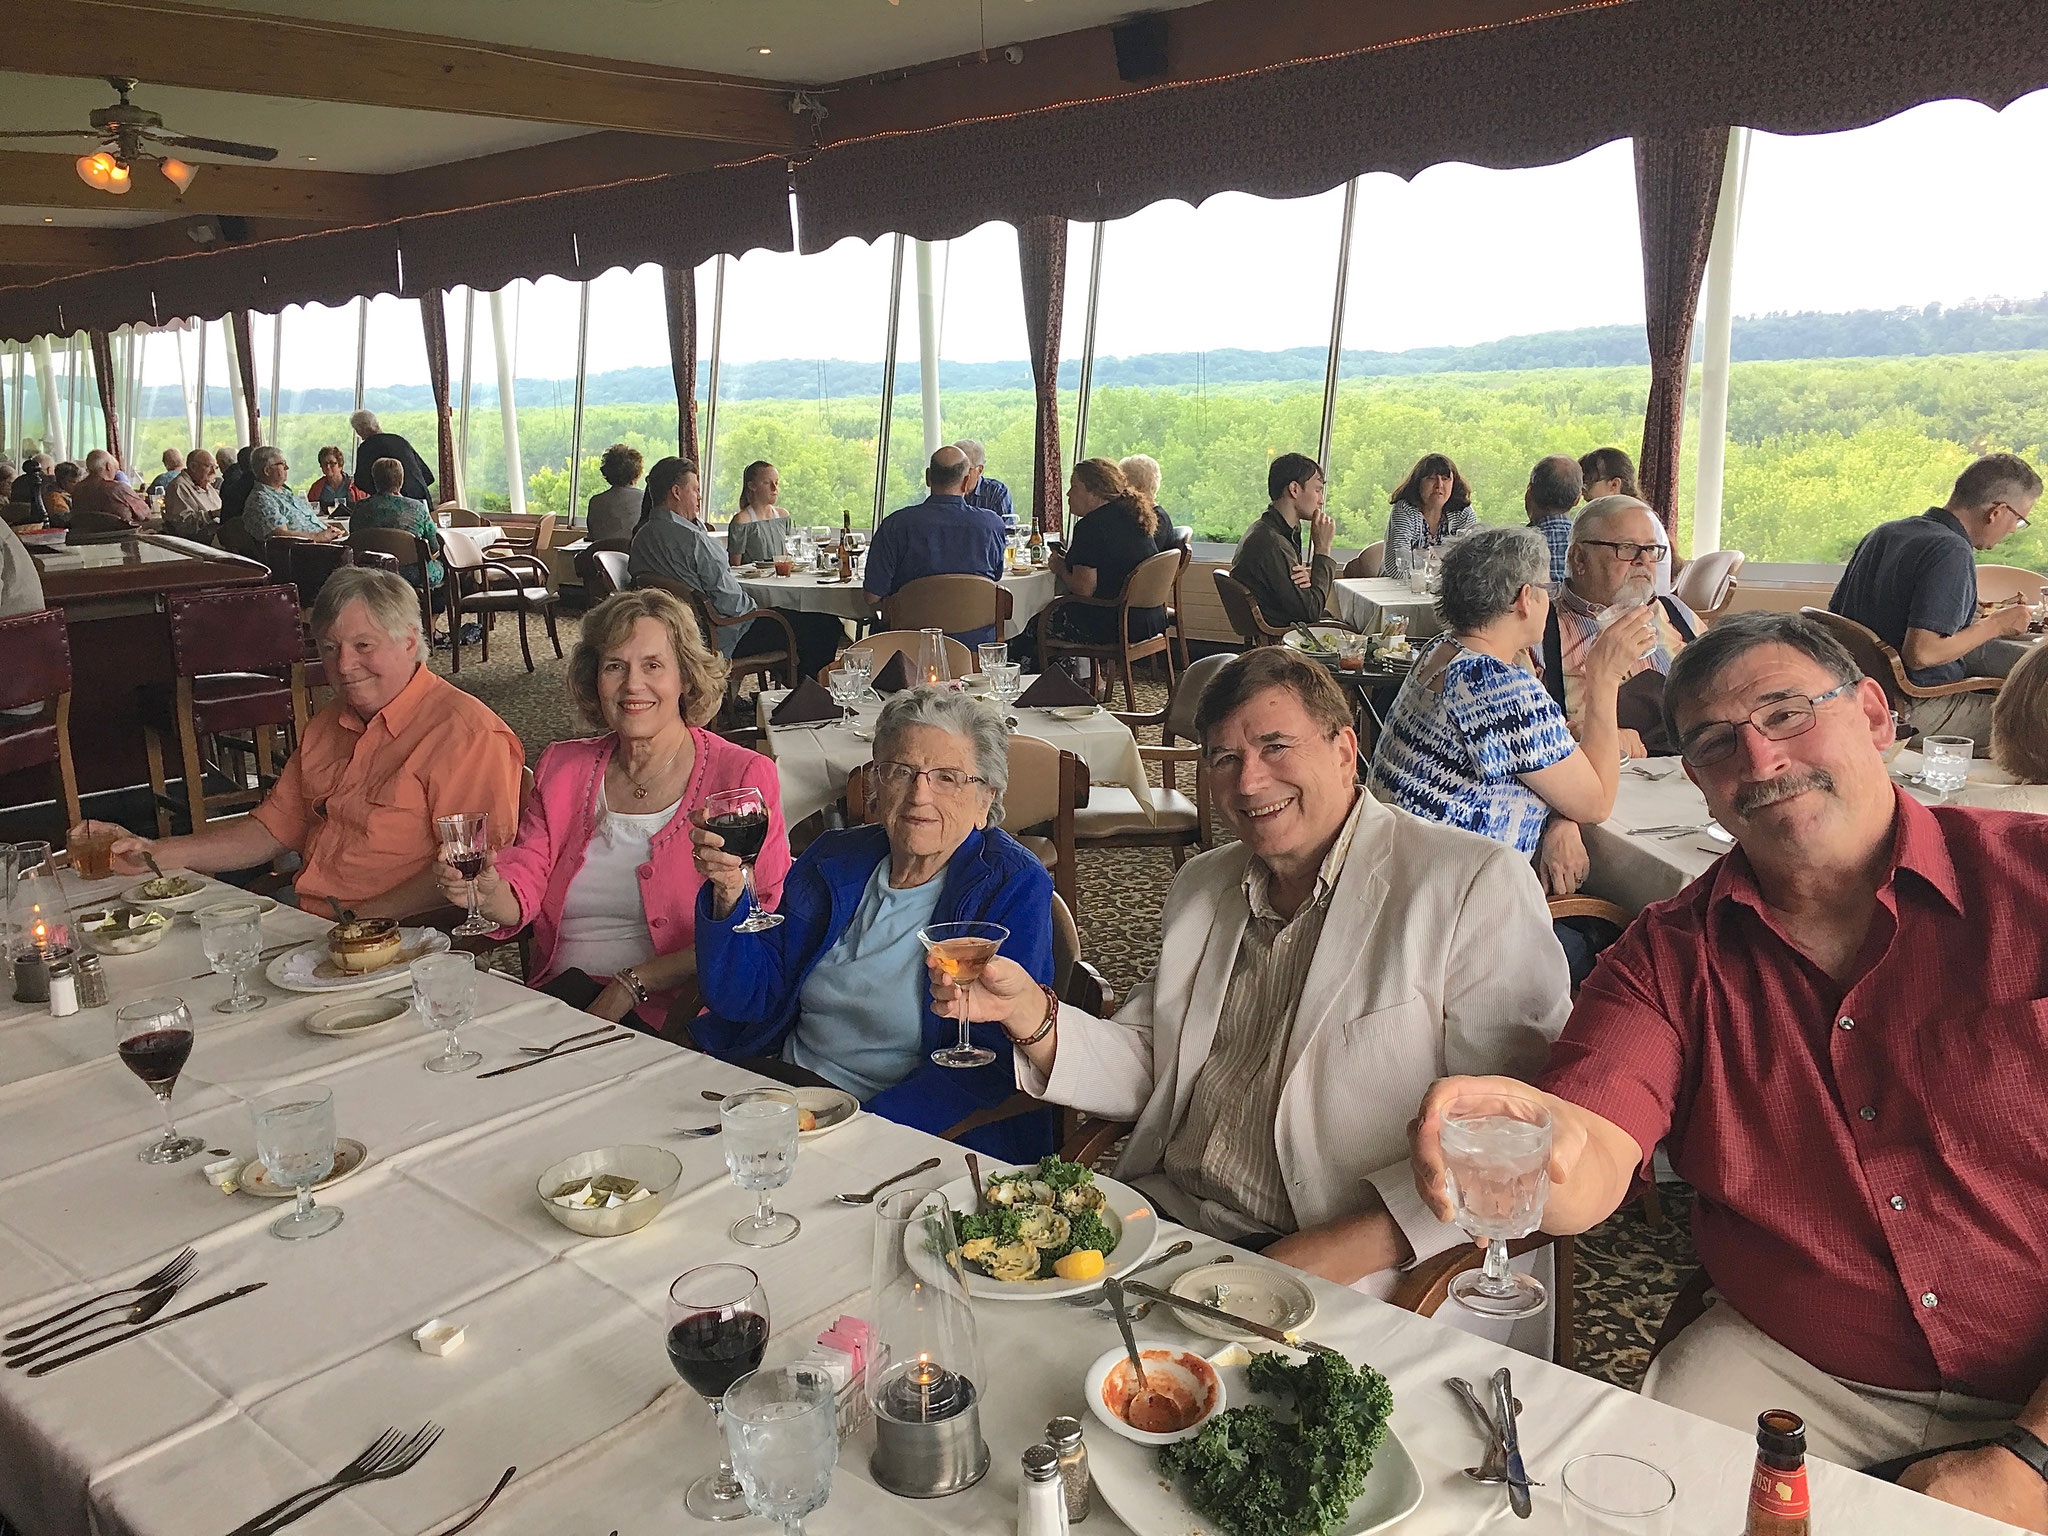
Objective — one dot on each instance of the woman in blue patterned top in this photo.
(1432, 506)
(1473, 740)
(273, 510)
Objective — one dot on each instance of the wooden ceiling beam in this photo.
(302, 58)
(57, 249)
(587, 160)
(30, 179)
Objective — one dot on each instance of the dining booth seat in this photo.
(38, 673)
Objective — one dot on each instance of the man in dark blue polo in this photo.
(984, 489)
(1914, 583)
(942, 535)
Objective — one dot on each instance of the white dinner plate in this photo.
(294, 969)
(1259, 1291)
(207, 893)
(830, 1107)
(350, 1156)
(1129, 1478)
(364, 1015)
(1328, 636)
(1125, 1212)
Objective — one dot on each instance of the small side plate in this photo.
(1257, 1291)
(831, 1107)
(342, 1020)
(349, 1157)
(1075, 712)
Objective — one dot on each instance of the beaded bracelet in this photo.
(1052, 1017)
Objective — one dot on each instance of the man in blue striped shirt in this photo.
(1555, 485)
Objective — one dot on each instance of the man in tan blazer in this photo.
(1314, 978)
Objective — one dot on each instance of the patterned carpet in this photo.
(1626, 1272)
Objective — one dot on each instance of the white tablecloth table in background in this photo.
(1997, 658)
(1368, 601)
(806, 592)
(814, 761)
(194, 1428)
(469, 544)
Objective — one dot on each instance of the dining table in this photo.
(1367, 602)
(194, 1427)
(808, 591)
(814, 760)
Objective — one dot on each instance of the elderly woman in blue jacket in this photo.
(839, 989)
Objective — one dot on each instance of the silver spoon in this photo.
(694, 1130)
(895, 1178)
(588, 1034)
(464, 1525)
(141, 1312)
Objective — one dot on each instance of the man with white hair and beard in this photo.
(1835, 1033)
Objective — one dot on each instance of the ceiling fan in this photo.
(130, 135)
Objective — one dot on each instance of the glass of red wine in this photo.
(463, 840)
(155, 1038)
(740, 818)
(717, 1333)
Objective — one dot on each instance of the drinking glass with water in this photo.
(295, 1140)
(760, 1139)
(782, 1428)
(444, 995)
(1496, 1150)
(232, 934)
(1945, 763)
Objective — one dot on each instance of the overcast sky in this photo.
(1938, 204)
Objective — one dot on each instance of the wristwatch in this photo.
(2028, 1447)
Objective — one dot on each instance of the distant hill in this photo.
(1995, 325)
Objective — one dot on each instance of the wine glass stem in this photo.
(725, 1485)
(304, 1207)
(747, 885)
(965, 1043)
(764, 1210)
(163, 1102)
(1497, 1279)
(449, 1051)
(472, 901)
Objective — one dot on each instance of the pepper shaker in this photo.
(92, 982)
(1063, 1434)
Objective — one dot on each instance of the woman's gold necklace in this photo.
(640, 791)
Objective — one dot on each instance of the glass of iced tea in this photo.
(92, 853)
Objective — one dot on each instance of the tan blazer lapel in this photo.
(1342, 950)
(1205, 1001)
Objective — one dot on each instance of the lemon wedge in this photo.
(1081, 1264)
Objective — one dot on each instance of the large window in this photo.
(1494, 316)
(539, 344)
(1212, 332)
(629, 392)
(314, 349)
(1890, 325)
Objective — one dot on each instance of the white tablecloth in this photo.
(1366, 602)
(808, 593)
(467, 545)
(814, 761)
(192, 1429)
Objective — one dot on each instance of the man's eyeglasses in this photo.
(1630, 553)
(2019, 518)
(947, 781)
(1779, 720)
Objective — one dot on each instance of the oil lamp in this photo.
(924, 1378)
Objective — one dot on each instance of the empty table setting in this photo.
(479, 1325)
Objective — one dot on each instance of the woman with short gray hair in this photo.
(1473, 740)
(838, 993)
(272, 510)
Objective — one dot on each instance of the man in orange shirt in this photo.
(357, 801)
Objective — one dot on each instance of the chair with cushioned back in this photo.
(257, 631)
(1708, 581)
(889, 642)
(1368, 562)
(38, 671)
(2003, 583)
(1113, 818)
(411, 552)
(602, 568)
(959, 604)
(527, 534)
(1151, 585)
(503, 582)
(462, 517)
(764, 665)
(1878, 660)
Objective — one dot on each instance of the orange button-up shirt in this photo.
(359, 798)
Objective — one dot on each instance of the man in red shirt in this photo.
(100, 493)
(1837, 1034)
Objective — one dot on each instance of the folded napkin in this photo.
(1054, 690)
(806, 703)
(894, 676)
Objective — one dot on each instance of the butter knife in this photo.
(1511, 1442)
(48, 1366)
(1217, 1314)
(521, 1066)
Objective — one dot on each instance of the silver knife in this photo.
(521, 1066)
(48, 1366)
(1511, 1442)
(1153, 1293)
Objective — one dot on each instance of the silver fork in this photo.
(175, 1270)
(28, 1351)
(1144, 1308)
(369, 1457)
(394, 1463)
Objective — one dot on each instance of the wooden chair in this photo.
(602, 568)
(1880, 661)
(462, 517)
(506, 582)
(1046, 784)
(1368, 562)
(1113, 818)
(761, 665)
(1151, 585)
(412, 553)
(38, 671)
(958, 604)
(1427, 1286)
(1176, 625)
(255, 630)
(2003, 583)
(527, 534)
(888, 642)
(1708, 581)
(1242, 609)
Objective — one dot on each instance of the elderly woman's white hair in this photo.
(1142, 470)
(393, 605)
(1485, 571)
(958, 714)
(364, 424)
(260, 460)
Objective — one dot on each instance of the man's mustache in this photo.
(1752, 798)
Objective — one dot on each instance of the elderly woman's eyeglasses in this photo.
(948, 781)
(1630, 553)
(1779, 720)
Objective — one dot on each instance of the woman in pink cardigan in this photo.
(603, 865)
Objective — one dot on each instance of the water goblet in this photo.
(782, 1432)
(759, 1131)
(963, 951)
(740, 818)
(1496, 1149)
(295, 1140)
(847, 686)
(1006, 682)
(717, 1333)
(991, 655)
(154, 1037)
(1945, 763)
(860, 659)
(444, 995)
(232, 934)
(463, 839)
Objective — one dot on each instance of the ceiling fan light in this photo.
(118, 179)
(179, 174)
(96, 170)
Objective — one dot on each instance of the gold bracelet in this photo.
(1052, 1017)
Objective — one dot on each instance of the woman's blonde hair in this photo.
(607, 625)
(2019, 720)
(1106, 479)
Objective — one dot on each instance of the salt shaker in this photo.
(1063, 1434)
(1041, 1505)
(63, 988)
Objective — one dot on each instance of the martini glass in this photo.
(963, 951)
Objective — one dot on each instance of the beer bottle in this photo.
(1777, 1489)
(846, 544)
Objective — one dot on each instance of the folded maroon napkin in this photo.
(807, 702)
(1054, 690)
(894, 676)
